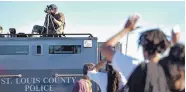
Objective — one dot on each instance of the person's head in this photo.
(1, 29)
(113, 79)
(154, 43)
(174, 67)
(175, 34)
(87, 67)
(54, 8)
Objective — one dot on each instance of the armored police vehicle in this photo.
(45, 64)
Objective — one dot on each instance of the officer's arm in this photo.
(61, 20)
(57, 22)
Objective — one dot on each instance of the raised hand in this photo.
(130, 24)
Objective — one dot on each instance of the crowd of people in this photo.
(163, 69)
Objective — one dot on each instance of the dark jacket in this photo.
(147, 77)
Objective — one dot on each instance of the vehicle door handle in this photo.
(5, 76)
(67, 75)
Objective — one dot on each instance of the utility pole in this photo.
(128, 39)
(126, 44)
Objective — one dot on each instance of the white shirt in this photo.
(101, 79)
(124, 64)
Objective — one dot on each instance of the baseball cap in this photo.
(53, 6)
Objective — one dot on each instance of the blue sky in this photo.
(16, 14)
(94, 17)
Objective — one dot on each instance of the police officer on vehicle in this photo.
(54, 22)
(1, 31)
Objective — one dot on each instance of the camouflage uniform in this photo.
(59, 28)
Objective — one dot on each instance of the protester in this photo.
(167, 76)
(110, 81)
(84, 84)
(174, 67)
(175, 37)
(147, 77)
(175, 34)
(153, 42)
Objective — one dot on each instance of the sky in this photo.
(102, 19)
